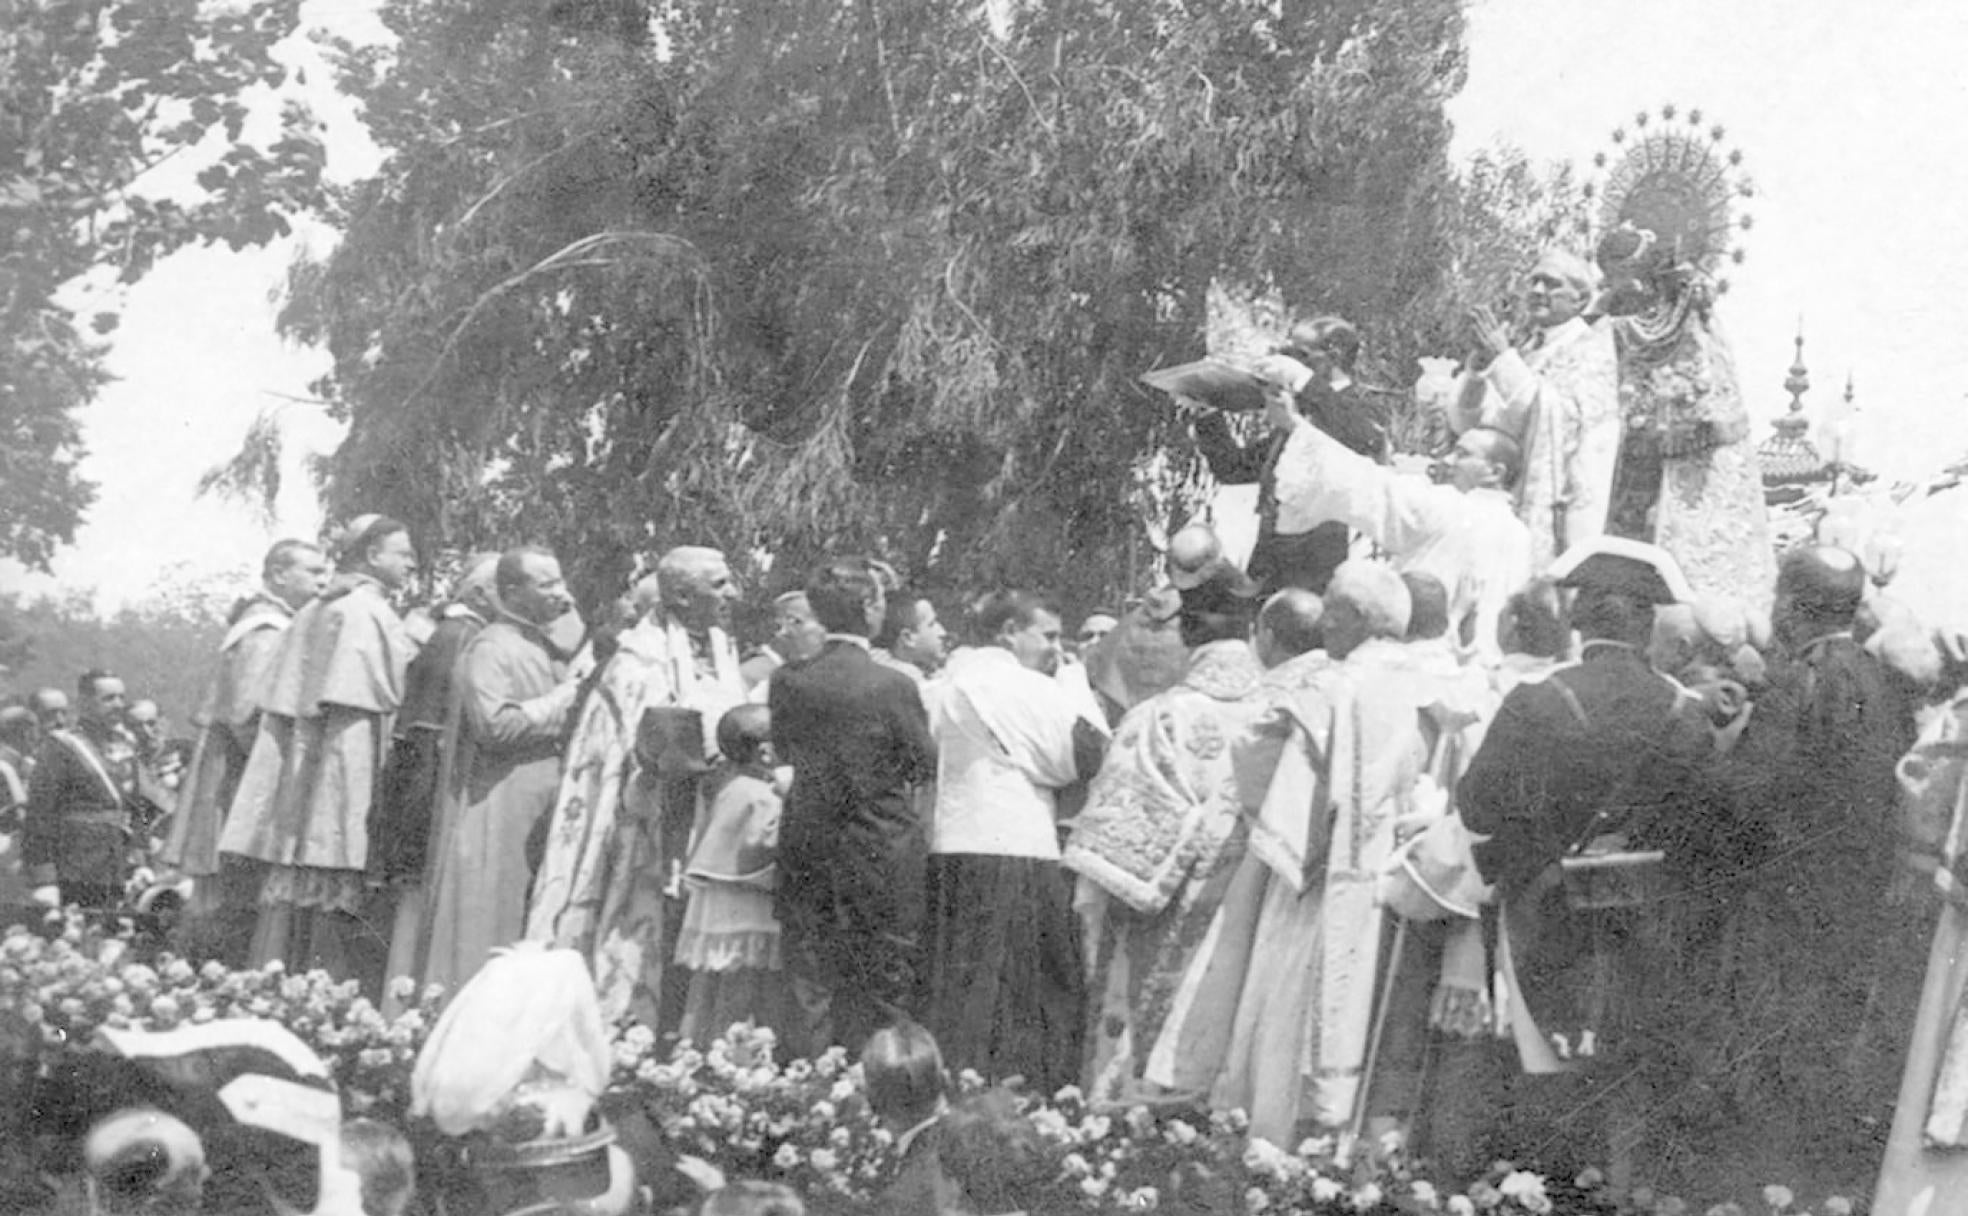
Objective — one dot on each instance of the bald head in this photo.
(477, 579)
(1679, 640)
(1288, 625)
(1365, 600)
(1428, 600)
(1568, 268)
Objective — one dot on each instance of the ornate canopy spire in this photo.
(1788, 457)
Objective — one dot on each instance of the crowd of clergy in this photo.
(1457, 813)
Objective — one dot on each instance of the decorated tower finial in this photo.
(1798, 382)
(1788, 457)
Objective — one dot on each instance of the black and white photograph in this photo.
(757, 608)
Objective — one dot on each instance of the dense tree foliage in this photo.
(791, 277)
(94, 94)
(164, 643)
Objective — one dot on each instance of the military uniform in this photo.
(80, 828)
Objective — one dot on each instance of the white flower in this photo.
(1366, 1198)
(825, 1111)
(1180, 1132)
(1837, 1205)
(1147, 1199)
(1521, 1185)
(1096, 1127)
(1317, 1146)
(824, 1159)
(1263, 1157)
(1325, 1190)
(1093, 1188)
(786, 1158)
(1256, 1200)
(1461, 1205)
(1424, 1194)
(1778, 1197)
(1072, 1094)
(832, 1061)
(843, 1090)
(1076, 1166)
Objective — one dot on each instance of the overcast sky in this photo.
(1852, 119)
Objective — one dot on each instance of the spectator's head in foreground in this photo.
(903, 1070)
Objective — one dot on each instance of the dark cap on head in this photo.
(1822, 580)
(1615, 565)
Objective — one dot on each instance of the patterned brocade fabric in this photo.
(307, 887)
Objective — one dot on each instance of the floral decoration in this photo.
(734, 1105)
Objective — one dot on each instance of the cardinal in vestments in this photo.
(1167, 908)
(611, 840)
(512, 699)
(220, 915)
(302, 809)
(1558, 397)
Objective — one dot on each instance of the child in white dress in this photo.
(730, 939)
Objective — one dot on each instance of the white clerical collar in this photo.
(855, 638)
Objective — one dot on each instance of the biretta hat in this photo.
(1823, 580)
(1628, 567)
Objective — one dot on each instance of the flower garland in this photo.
(804, 1122)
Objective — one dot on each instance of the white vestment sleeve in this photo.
(1320, 480)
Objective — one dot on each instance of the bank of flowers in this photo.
(736, 1105)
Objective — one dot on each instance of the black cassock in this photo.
(1825, 953)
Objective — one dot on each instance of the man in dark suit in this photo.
(1327, 347)
(852, 849)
